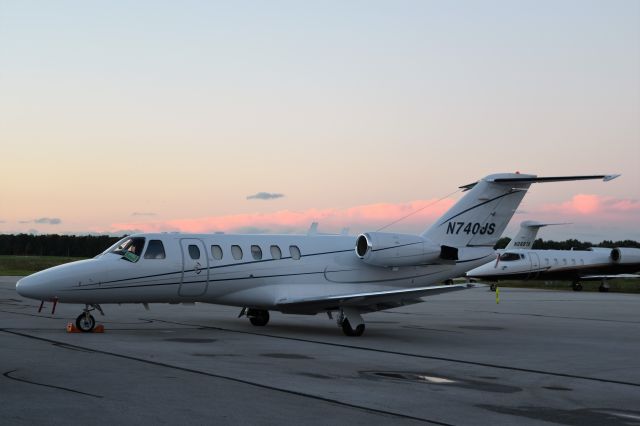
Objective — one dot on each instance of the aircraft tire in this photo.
(85, 322)
(258, 317)
(349, 331)
(603, 289)
(577, 287)
(493, 287)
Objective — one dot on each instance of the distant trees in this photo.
(91, 245)
(55, 245)
(570, 244)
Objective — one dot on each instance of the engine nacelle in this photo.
(625, 255)
(389, 249)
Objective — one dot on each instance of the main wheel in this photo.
(493, 287)
(603, 289)
(577, 286)
(258, 317)
(85, 322)
(349, 331)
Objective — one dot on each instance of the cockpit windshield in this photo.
(506, 257)
(129, 248)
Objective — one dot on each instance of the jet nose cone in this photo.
(27, 287)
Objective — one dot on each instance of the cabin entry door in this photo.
(535, 265)
(195, 268)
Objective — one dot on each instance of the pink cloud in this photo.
(590, 204)
(366, 217)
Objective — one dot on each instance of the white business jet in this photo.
(294, 274)
(519, 262)
(524, 239)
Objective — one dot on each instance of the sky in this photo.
(253, 116)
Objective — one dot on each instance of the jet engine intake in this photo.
(389, 249)
(625, 255)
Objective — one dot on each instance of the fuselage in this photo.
(260, 271)
(571, 265)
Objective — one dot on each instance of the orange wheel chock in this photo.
(71, 328)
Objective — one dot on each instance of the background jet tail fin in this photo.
(480, 217)
(527, 234)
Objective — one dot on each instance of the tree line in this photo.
(55, 245)
(570, 244)
(91, 245)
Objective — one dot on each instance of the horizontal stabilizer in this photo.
(529, 179)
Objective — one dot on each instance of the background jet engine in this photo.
(625, 255)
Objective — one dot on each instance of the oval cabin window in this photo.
(216, 252)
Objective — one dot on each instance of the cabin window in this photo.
(573, 261)
(564, 261)
(582, 261)
(216, 252)
(546, 260)
(194, 251)
(236, 252)
(555, 260)
(295, 252)
(155, 250)
(130, 248)
(256, 252)
(507, 257)
(276, 253)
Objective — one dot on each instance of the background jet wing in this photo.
(367, 302)
(608, 277)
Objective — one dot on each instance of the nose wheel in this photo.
(85, 321)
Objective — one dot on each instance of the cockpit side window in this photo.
(506, 257)
(155, 250)
(130, 248)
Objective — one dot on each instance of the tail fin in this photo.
(527, 234)
(481, 216)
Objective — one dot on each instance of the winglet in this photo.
(607, 178)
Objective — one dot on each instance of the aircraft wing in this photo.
(608, 277)
(368, 302)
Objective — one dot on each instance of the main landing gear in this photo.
(257, 317)
(604, 286)
(351, 322)
(85, 321)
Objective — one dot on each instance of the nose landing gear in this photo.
(85, 321)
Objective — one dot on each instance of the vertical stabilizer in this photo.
(527, 234)
(480, 217)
